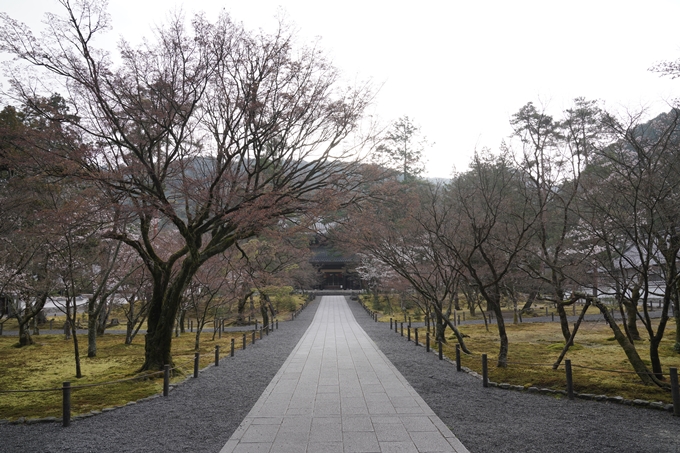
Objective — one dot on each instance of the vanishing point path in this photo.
(337, 392)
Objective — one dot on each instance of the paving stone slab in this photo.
(337, 392)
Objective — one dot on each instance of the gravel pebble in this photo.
(496, 420)
(200, 415)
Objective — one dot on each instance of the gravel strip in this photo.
(198, 416)
(499, 420)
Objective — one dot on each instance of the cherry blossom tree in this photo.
(208, 131)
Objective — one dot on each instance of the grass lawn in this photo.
(50, 362)
(534, 347)
(599, 365)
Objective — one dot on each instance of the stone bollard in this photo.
(675, 391)
(570, 381)
(485, 371)
(458, 365)
(166, 380)
(66, 404)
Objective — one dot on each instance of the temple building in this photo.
(336, 269)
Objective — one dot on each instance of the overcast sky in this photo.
(459, 69)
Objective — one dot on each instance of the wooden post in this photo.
(66, 404)
(252, 340)
(485, 372)
(166, 379)
(244, 341)
(458, 366)
(427, 342)
(570, 382)
(552, 315)
(675, 390)
(416, 334)
(260, 334)
(232, 347)
(402, 329)
(217, 355)
(408, 331)
(195, 364)
(409, 321)
(277, 324)
(390, 323)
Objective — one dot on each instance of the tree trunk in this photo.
(676, 314)
(157, 345)
(530, 301)
(165, 301)
(502, 335)
(628, 347)
(264, 311)
(564, 322)
(76, 349)
(103, 319)
(182, 316)
(158, 338)
(197, 339)
(630, 306)
(241, 308)
(570, 343)
(92, 336)
(25, 338)
(440, 327)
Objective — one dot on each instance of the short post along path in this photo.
(337, 392)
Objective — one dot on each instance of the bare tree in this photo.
(394, 232)
(211, 133)
(634, 200)
(553, 157)
(484, 220)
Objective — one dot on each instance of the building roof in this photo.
(326, 255)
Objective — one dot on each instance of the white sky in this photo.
(459, 69)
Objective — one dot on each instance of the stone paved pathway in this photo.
(337, 392)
